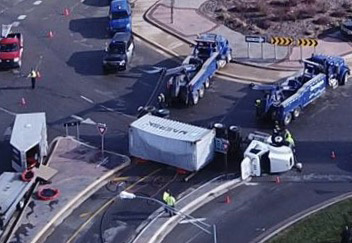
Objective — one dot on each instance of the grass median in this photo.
(323, 226)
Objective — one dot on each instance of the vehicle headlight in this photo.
(105, 62)
(128, 26)
(16, 59)
(123, 62)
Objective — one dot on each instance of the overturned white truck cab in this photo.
(264, 156)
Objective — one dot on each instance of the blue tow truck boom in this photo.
(284, 101)
(187, 83)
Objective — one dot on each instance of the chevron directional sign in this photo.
(281, 41)
(307, 42)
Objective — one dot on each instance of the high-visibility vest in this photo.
(289, 138)
(170, 201)
(165, 196)
(33, 74)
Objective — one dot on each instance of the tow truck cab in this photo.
(119, 52)
(120, 18)
(11, 48)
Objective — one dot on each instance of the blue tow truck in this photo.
(284, 101)
(187, 83)
(120, 16)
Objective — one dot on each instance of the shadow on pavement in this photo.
(95, 28)
(87, 62)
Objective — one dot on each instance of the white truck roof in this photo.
(11, 186)
(27, 130)
(170, 128)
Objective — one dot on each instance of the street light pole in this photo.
(128, 195)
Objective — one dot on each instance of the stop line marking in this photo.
(186, 221)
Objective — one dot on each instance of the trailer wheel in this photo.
(201, 92)
(195, 98)
(296, 112)
(287, 118)
(207, 83)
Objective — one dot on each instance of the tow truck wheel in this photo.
(195, 98)
(296, 112)
(344, 79)
(207, 83)
(288, 118)
(201, 92)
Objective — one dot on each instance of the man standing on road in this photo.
(33, 76)
(169, 201)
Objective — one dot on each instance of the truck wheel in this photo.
(195, 98)
(344, 79)
(296, 112)
(287, 118)
(207, 83)
(201, 92)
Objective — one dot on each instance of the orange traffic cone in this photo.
(51, 34)
(277, 180)
(66, 12)
(333, 155)
(23, 101)
(227, 199)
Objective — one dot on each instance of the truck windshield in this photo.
(9, 47)
(120, 15)
(117, 48)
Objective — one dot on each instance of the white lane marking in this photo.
(87, 99)
(251, 183)
(15, 24)
(22, 17)
(106, 108)
(77, 117)
(89, 121)
(7, 111)
(186, 221)
(175, 45)
(37, 2)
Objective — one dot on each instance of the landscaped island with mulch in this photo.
(288, 18)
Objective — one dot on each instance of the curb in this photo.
(298, 217)
(168, 226)
(150, 20)
(81, 197)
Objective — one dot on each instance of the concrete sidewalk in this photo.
(151, 22)
(80, 174)
(161, 224)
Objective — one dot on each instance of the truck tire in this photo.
(201, 92)
(195, 98)
(296, 112)
(207, 83)
(287, 119)
(344, 79)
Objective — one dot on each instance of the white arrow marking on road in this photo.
(186, 221)
(87, 99)
(22, 17)
(37, 2)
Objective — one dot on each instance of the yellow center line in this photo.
(105, 205)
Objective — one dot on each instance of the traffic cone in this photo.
(333, 155)
(23, 101)
(227, 199)
(277, 180)
(66, 12)
(51, 34)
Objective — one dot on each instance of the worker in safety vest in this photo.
(288, 138)
(170, 201)
(33, 75)
(166, 194)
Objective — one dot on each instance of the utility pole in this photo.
(172, 11)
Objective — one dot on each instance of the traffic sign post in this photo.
(72, 124)
(102, 130)
(254, 39)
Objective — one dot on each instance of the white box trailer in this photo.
(28, 140)
(171, 142)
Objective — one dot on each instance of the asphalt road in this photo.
(253, 209)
